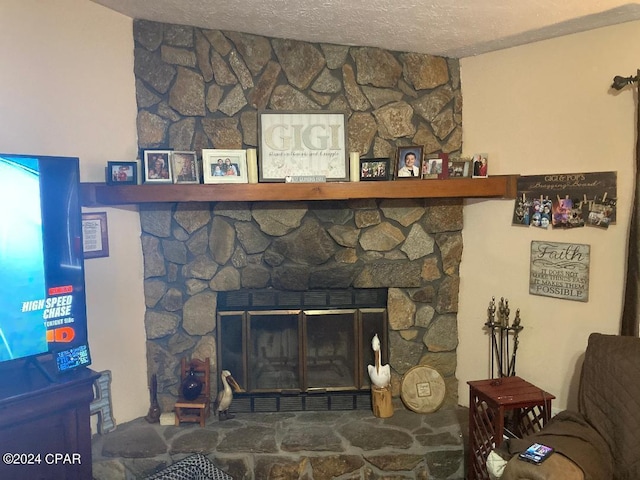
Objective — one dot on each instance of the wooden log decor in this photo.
(382, 402)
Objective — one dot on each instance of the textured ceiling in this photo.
(450, 28)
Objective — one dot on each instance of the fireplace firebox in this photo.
(301, 350)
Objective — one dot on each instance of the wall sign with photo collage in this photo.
(566, 200)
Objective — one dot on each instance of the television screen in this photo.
(42, 290)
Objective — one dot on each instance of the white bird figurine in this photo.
(380, 375)
(225, 396)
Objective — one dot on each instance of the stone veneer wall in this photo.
(192, 251)
(203, 88)
(200, 89)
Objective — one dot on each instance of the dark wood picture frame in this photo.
(95, 235)
(122, 173)
(375, 169)
(402, 173)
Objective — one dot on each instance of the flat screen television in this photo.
(42, 288)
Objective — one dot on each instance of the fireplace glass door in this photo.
(295, 351)
(274, 353)
(330, 352)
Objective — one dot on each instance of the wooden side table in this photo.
(528, 406)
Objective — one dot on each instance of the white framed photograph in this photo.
(224, 166)
(157, 167)
(185, 167)
(480, 165)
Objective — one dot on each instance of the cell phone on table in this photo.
(536, 453)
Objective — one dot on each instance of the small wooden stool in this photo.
(194, 411)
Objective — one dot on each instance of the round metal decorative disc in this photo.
(423, 389)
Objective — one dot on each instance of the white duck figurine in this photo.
(225, 396)
(380, 374)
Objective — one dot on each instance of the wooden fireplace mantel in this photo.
(499, 186)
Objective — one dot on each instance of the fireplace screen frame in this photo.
(298, 368)
(364, 322)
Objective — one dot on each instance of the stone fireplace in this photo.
(199, 89)
(193, 252)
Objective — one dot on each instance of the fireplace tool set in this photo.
(504, 338)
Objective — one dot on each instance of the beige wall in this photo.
(67, 88)
(536, 109)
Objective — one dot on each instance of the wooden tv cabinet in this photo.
(45, 429)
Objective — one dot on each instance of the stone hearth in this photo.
(295, 446)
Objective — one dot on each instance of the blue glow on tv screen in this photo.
(42, 288)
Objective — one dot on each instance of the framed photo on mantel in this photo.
(480, 165)
(224, 166)
(157, 167)
(409, 162)
(374, 169)
(460, 168)
(294, 144)
(184, 165)
(436, 166)
(122, 173)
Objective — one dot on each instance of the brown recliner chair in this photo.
(601, 441)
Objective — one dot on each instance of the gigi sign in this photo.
(298, 137)
(303, 144)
